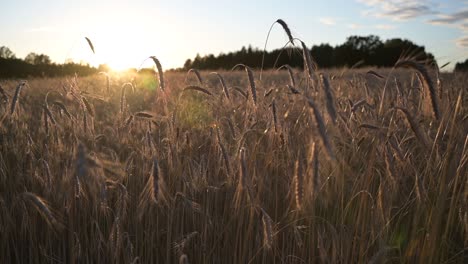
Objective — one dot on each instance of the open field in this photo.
(352, 166)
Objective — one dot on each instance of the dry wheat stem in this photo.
(320, 125)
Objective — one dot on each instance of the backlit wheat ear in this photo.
(62, 108)
(162, 85)
(299, 184)
(292, 89)
(288, 33)
(309, 64)
(253, 88)
(286, 29)
(123, 98)
(145, 115)
(88, 106)
(275, 118)
(46, 122)
(155, 181)
(129, 121)
(16, 97)
(223, 84)
(375, 74)
(85, 122)
(243, 180)
(320, 125)
(41, 206)
(227, 163)
(415, 127)
(48, 174)
(91, 46)
(267, 224)
(239, 90)
(250, 76)
(49, 114)
(428, 85)
(197, 88)
(315, 170)
(197, 73)
(291, 74)
(329, 98)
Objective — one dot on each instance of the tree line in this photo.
(363, 50)
(355, 51)
(38, 65)
(462, 66)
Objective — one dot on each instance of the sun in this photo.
(120, 64)
(118, 47)
(115, 51)
(122, 45)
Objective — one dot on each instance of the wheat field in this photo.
(315, 166)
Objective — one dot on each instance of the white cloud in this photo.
(399, 9)
(385, 27)
(462, 42)
(327, 21)
(354, 26)
(451, 19)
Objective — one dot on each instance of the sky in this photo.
(125, 33)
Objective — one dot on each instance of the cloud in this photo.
(462, 42)
(399, 9)
(458, 19)
(461, 16)
(385, 27)
(464, 26)
(354, 26)
(327, 21)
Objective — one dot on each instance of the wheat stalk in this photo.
(267, 224)
(291, 74)
(275, 118)
(155, 181)
(415, 127)
(91, 46)
(423, 75)
(223, 84)
(320, 125)
(329, 98)
(299, 184)
(309, 64)
(162, 85)
(197, 73)
(197, 88)
(250, 76)
(227, 163)
(42, 207)
(315, 170)
(16, 97)
(286, 29)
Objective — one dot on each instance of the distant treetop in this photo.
(367, 50)
(462, 66)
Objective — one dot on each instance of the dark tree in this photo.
(323, 55)
(37, 59)
(462, 66)
(6, 53)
